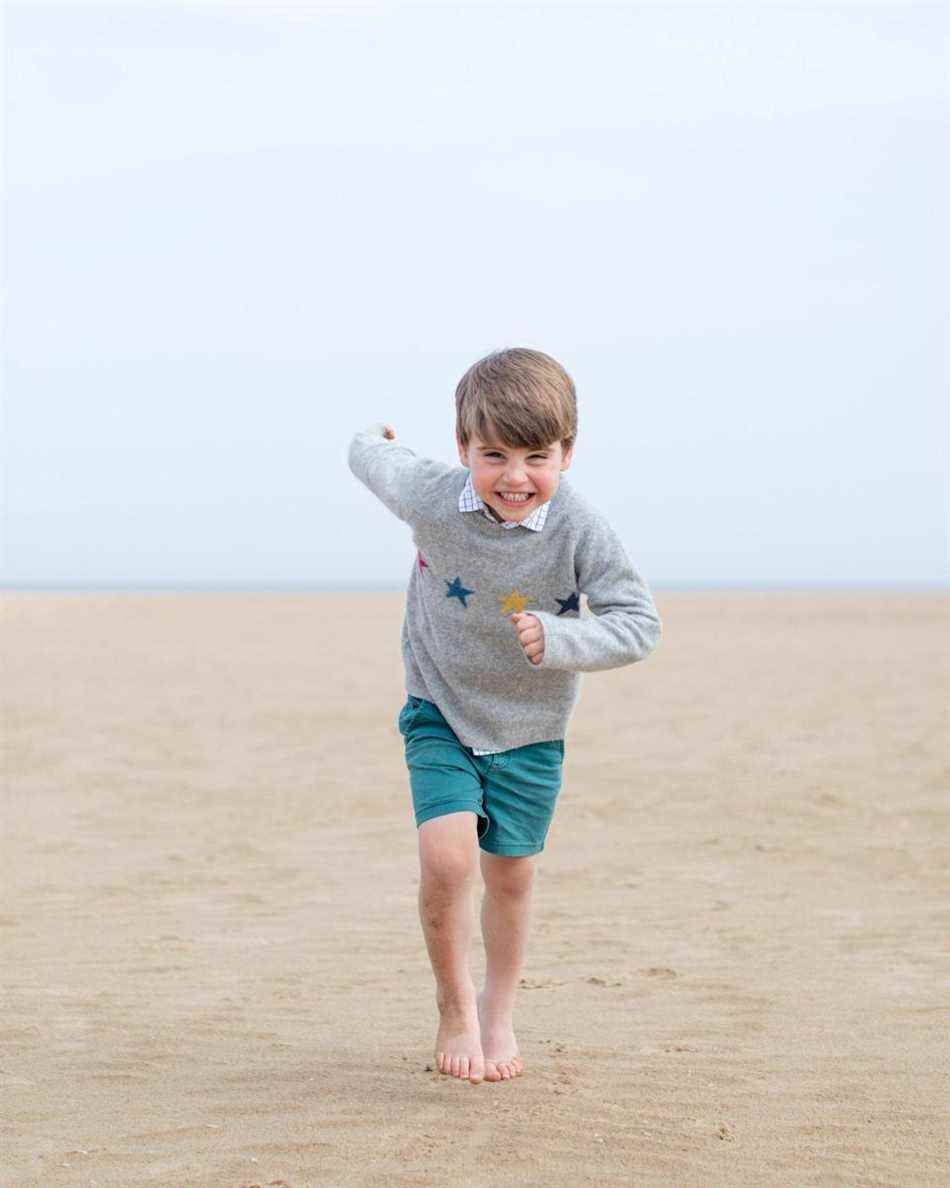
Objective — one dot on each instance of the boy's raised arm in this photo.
(390, 471)
(624, 626)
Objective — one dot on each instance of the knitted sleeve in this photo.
(624, 625)
(396, 475)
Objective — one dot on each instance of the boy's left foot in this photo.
(502, 1058)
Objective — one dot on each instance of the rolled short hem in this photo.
(509, 851)
(451, 806)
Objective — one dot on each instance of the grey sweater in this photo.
(459, 646)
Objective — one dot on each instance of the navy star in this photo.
(569, 604)
(457, 590)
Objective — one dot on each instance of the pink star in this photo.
(423, 564)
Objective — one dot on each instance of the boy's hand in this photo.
(530, 636)
(389, 433)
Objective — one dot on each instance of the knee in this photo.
(509, 877)
(444, 868)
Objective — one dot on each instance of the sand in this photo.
(213, 968)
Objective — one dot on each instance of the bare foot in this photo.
(502, 1058)
(458, 1047)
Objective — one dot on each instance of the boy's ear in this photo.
(463, 452)
(566, 456)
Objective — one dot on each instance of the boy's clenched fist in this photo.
(530, 636)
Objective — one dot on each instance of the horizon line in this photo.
(392, 588)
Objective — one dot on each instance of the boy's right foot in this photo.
(458, 1045)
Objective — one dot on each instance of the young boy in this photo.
(493, 641)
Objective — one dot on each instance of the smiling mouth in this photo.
(515, 500)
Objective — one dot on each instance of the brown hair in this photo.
(524, 398)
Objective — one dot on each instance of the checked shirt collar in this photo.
(469, 502)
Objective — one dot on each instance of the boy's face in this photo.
(514, 482)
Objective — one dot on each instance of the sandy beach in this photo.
(213, 971)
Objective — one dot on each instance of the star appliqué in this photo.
(514, 603)
(569, 604)
(457, 590)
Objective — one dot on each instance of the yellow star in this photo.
(515, 603)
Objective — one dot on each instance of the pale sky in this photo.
(235, 234)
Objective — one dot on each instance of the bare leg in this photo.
(447, 864)
(506, 911)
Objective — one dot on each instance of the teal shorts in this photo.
(512, 793)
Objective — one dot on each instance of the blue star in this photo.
(569, 604)
(457, 590)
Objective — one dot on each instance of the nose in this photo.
(515, 473)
